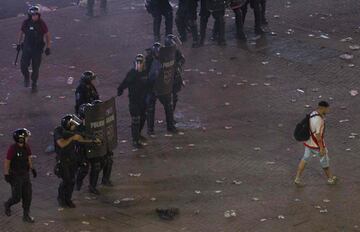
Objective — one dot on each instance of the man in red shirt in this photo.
(31, 41)
(17, 167)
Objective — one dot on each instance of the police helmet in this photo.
(95, 102)
(87, 77)
(20, 134)
(170, 40)
(156, 48)
(34, 10)
(82, 110)
(139, 60)
(68, 120)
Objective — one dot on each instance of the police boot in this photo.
(93, 190)
(7, 209)
(27, 218)
(34, 88)
(203, 25)
(150, 124)
(70, 204)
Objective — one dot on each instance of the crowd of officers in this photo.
(146, 83)
(186, 18)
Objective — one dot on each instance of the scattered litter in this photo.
(70, 80)
(257, 148)
(344, 120)
(168, 135)
(128, 199)
(227, 103)
(230, 213)
(317, 207)
(228, 127)
(300, 91)
(297, 200)
(348, 149)
(191, 145)
(60, 209)
(281, 217)
(181, 133)
(85, 223)
(255, 199)
(153, 199)
(354, 92)
(265, 62)
(267, 84)
(354, 47)
(178, 148)
(237, 182)
(348, 39)
(254, 84)
(323, 211)
(197, 191)
(290, 31)
(117, 202)
(270, 163)
(351, 65)
(263, 220)
(324, 37)
(273, 33)
(135, 174)
(346, 56)
(217, 191)
(326, 200)
(214, 60)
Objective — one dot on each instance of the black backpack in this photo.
(302, 130)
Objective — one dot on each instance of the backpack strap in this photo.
(311, 133)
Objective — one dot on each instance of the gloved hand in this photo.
(120, 92)
(34, 173)
(47, 51)
(8, 178)
(18, 47)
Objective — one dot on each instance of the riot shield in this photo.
(165, 80)
(100, 120)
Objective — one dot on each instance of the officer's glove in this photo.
(120, 92)
(47, 51)
(8, 178)
(34, 173)
(18, 47)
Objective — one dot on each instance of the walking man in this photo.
(31, 42)
(315, 146)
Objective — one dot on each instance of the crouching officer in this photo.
(33, 31)
(137, 82)
(86, 91)
(17, 167)
(65, 138)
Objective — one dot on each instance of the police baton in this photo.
(17, 56)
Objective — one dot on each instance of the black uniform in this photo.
(159, 89)
(178, 80)
(159, 8)
(82, 161)
(138, 85)
(107, 168)
(255, 5)
(67, 161)
(32, 49)
(90, 7)
(85, 93)
(19, 177)
(186, 17)
(263, 12)
(216, 8)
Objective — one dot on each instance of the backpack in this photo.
(302, 131)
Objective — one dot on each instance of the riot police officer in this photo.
(263, 12)
(186, 17)
(159, 8)
(31, 42)
(86, 91)
(137, 82)
(216, 8)
(161, 86)
(17, 167)
(65, 139)
(90, 7)
(255, 5)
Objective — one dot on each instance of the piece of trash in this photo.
(48, 97)
(346, 56)
(153, 199)
(307, 106)
(197, 192)
(191, 145)
(263, 220)
(281, 217)
(85, 223)
(178, 148)
(354, 47)
(276, 16)
(181, 133)
(228, 127)
(324, 37)
(323, 211)
(124, 141)
(351, 65)
(317, 207)
(70, 80)
(167, 214)
(135, 174)
(227, 103)
(348, 149)
(290, 31)
(254, 84)
(326, 200)
(311, 35)
(273, 33)
(117, 202)
(128, 199)
(49, 174)
(300, 91)
(257, 148)
(354, 92)
(237, 182)
(344, 120)
(255, 199)
(265, 62)
(168, 135)
(214, 60)
(230, 213)
(57, 37)
(270, 163)
(60, 209)
(267, 84)
(297, 200)
(348, 39)
(218, 191)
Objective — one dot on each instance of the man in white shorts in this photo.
(315, 146)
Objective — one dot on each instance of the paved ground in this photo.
(237, 112)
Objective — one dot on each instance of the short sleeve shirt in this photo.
(317, 125)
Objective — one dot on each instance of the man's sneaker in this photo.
(7, 209)
(71, 204)
(332, 181)
(28, 219)
(298, 183)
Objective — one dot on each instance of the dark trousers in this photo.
(107, 167)
(90, 6)
(263, 11)
(255, 5)
(183, 22)
(95, 169)
(166, 101)
(138, 118)
(219, 22)
(82, 172)
(66, 187)
(238, 22)
(33, 57)
(157, 16)
(21, 190)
